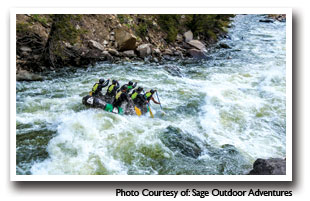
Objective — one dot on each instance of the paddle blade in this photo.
(138, 111)
(151, 113)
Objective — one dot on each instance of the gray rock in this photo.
(178, 141)
(112, 38)
(197, 44)
(144, 50)
(197, 54)
(266, 20)
(179, 53)
(113, 52)
(105, 42)
(107, 56)
(157, 51)
(188, 36)
(25, 49)
(168, 52)
(95, 45)
(24, 75)
(179, 38)
(125, 40)
(225, 46)
(173, 70)
(129, 53)
(272, 166)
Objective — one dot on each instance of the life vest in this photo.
(148, 95)
(129, 87)
(110, 89)
(118, 95)
(95, 87)
(134, 95)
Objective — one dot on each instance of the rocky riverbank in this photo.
(113, 38)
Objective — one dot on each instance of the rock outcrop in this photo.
(101, 38)
(272, 166)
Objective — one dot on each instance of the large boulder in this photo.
(197, 44)
(95, 45)
(125, 40)
(272, 166)
(24, 75)
(197, 54)
(144, 50)
(188, 36)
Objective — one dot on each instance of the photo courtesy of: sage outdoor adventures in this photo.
(151, 94)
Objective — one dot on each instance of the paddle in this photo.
(158, 100)
(138, 111)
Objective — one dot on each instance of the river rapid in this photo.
(218, 115)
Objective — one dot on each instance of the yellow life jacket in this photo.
(134, 95)
(110, 89)
(148, 95)
(95, 87)
(118, 95)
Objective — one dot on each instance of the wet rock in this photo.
(266, 20)
(188, 36)
(272, 166)
(125, 40)
(198, 54)
(129, 53)
(144, 50)
(173, 70)
(225, 46)
(197, 44)
(95, 45)
(184, 143)
(24, 75)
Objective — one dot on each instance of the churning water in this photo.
(220, 115)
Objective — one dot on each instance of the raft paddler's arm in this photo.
(106, 83)
(134, 86)
(154, 101)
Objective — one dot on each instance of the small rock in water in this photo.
(223, 45)
(266, 21)
(173, 70)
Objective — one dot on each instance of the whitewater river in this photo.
(219, 116)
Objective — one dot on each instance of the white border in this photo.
(154, 10)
